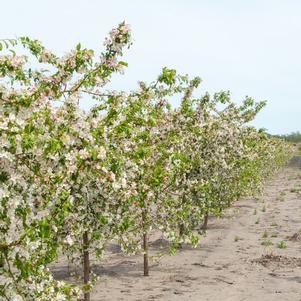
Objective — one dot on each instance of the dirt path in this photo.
(253, 253)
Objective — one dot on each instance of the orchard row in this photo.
(73, 180)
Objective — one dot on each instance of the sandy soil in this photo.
(239, 259)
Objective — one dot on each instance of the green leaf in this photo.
(12, 51)
(123, 63)
(45, 228)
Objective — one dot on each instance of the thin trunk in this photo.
(205, 223)
(181, 233)
(1, 261)
(69, 268)
(86, 264)
(145, 256)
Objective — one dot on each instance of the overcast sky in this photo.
(250, 47)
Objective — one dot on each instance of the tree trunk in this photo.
(181, 233)
(1, 261)
(68, 267)
(145, 256)
(205, 223)
(86, 264)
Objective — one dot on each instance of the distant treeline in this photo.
(292, 137)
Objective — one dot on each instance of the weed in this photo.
(237, 238)
(266, 243)
(265, 234)
(281, 245)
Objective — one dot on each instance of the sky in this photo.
(249, 47)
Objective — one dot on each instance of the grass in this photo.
(255, 212)
(274, 234)
(265, 234)
(257, 221)
(237, 238)
(263, 208)
(280, 197)
(294, 190)
(281, 245)
(266, 243)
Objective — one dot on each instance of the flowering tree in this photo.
(50, 160)
(73, 180)
(219, 165)
(147, 135)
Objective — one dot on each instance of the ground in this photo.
(251, 253)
